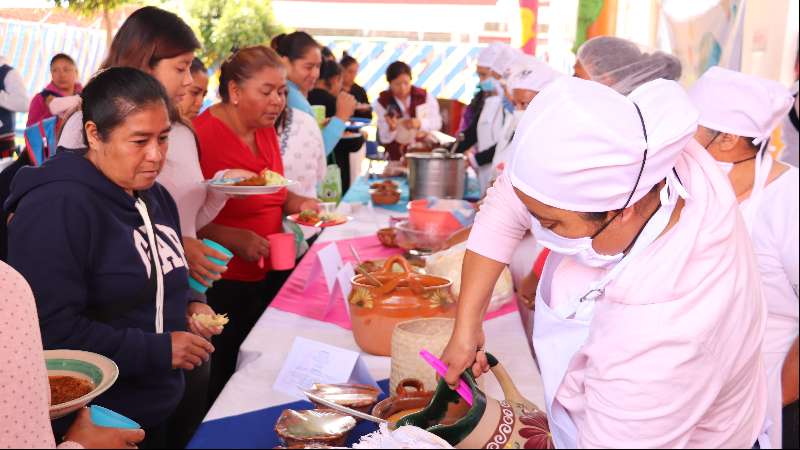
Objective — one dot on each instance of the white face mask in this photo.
(725, 167)
(517, 116)
(580, 248)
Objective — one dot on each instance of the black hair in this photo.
(327, 54)
(62, 57)
(147, 36)
(347, 60)
(396, 69)
(114, 94)
(243, 65)
(329, 69)
(295, 45)
(198, 66)
(602, 216)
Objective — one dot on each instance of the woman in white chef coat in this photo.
(526, 81)
(738, 113)
(649, 315)
(497, 110)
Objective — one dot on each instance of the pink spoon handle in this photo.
(463, 390)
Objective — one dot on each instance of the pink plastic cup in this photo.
(282, 251)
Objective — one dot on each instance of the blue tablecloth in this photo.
(257, 429)
(359, 192)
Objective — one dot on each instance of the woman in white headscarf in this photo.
(649, 316)
(738, 113)
(497, 110)
(526, 81)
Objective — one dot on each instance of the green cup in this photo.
(319, 114)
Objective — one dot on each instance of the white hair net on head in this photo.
(505, 60)
(534, 75)
(487, 56)
(622, 65)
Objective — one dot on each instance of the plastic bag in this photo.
(449, 263)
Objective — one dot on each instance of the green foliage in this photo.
(224, 24)
(91, 7)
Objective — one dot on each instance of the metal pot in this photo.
(437, 174)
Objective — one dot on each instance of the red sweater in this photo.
(221, 149)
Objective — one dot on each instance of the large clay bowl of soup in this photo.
(76, 378)
(402, 296)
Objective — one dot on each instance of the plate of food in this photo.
(317, 219)
(76, 378)
(266, 182)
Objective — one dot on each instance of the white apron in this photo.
(749, 209)
(489, 131)
(559, 334)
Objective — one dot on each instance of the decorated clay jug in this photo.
(489, 423)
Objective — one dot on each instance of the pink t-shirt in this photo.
(24, 390)
(673, 357)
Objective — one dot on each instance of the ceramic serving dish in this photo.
(314, 427)
(100, 371)
(360, 397)
(489, 423)
(376, 310)
(408, 399)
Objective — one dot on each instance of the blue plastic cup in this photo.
(196, 285)
(103, 417)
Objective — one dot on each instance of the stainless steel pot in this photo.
(436, 174)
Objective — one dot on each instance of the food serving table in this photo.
(245, 413)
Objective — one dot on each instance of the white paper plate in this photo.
(249, 190)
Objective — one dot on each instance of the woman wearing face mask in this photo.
(468, 131)
(767, 191)
(649, 316)
(526, 81)
(496, 113)
(110, 277)
(405, 112)
(240, 131)
(303, 58)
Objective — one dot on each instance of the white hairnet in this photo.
(580, 145)
(533, 75)
(487, 56)
(740, 104)
(621, 64)
(505, 60)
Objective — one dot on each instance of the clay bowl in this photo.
(388, 237)
(405, 402)
(314, 427)
(385, 196)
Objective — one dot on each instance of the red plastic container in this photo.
(439, 219)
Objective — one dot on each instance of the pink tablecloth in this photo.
(313, 302)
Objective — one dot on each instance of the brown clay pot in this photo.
(513, 422)
(407, 402)
(376, 310)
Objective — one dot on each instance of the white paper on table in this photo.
(343, 286)
(311, 362)
(328, 261)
